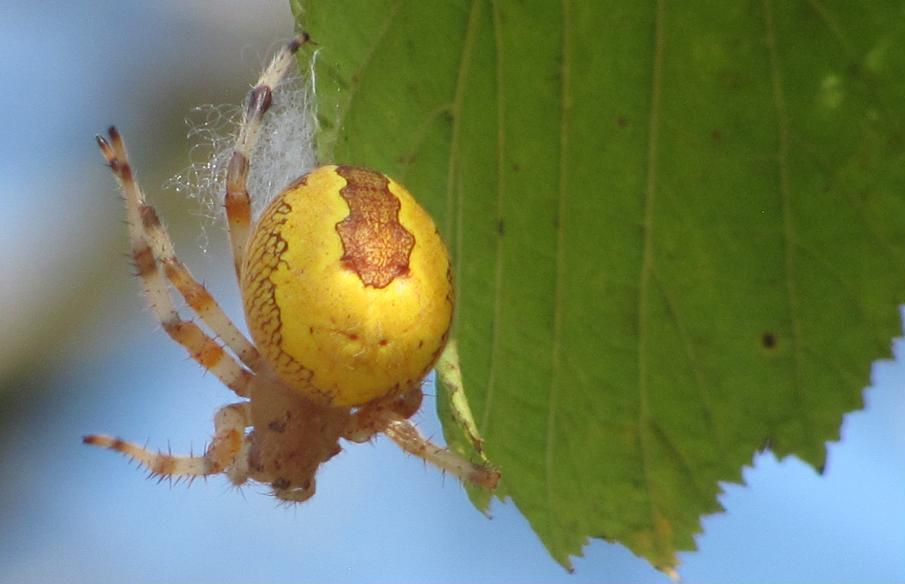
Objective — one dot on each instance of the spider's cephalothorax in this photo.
(348, 296)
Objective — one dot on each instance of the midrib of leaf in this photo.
(501, 188)
(789, 237)
(647, 263)
(565, 120)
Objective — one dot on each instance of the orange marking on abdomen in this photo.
(375, 245)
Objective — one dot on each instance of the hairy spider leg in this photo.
(406, 435)
(222, 455)
(157, 238)
(368, 420)
(149, 242)
(238, 200)
(391, 418)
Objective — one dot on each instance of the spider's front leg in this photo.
(260, 98)
(223, 454)
(156, 263)
(392, 419)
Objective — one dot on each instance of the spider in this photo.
(348, 296)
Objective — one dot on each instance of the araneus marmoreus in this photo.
(348, 295)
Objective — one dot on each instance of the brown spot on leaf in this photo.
(768, 340)
(375, 245)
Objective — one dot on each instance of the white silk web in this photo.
(285, 150)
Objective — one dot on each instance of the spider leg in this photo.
(146, 225)
(406, 436)
(392, 420)
(368, 421)
(152, 247)
(238, 201)
(222, 454)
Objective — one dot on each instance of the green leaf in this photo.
(677, 230)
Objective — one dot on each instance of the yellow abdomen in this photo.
(347, 287)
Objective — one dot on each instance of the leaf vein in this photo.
(789, 231)
(501, 189)
(650, 190)
(454, 207)
(565, 114)
(355, 78)
(420, 135)
(832, 24)
(693, 362)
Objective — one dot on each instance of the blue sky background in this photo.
(79, 354)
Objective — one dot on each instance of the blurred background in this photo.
(79, 353)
